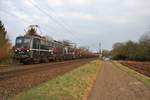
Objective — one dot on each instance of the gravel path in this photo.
(114, 84)
(23, 81)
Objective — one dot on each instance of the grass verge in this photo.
(74, 85)
(138, 76)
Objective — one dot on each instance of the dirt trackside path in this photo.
(115, 84)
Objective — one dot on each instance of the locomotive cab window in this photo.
(36, 43)
(27, 42)
(19, 42)
(23, 42)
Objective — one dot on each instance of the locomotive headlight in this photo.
(28, 50)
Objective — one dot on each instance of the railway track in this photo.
(15, 81)
(39, 67)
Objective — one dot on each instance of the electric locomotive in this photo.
(34, 48)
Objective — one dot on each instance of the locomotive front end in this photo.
(22, 48)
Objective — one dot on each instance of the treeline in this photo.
(130, 50)
(4, 43)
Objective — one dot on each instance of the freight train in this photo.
(33, 48)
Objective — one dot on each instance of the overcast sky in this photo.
(86, 22)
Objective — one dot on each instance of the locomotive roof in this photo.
(43, 38)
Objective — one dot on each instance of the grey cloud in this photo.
(93, 21)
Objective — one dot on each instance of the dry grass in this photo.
(74, 85)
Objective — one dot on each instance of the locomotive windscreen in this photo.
(23, 42)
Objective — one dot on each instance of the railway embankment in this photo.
(74, 85)
(24, 77)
